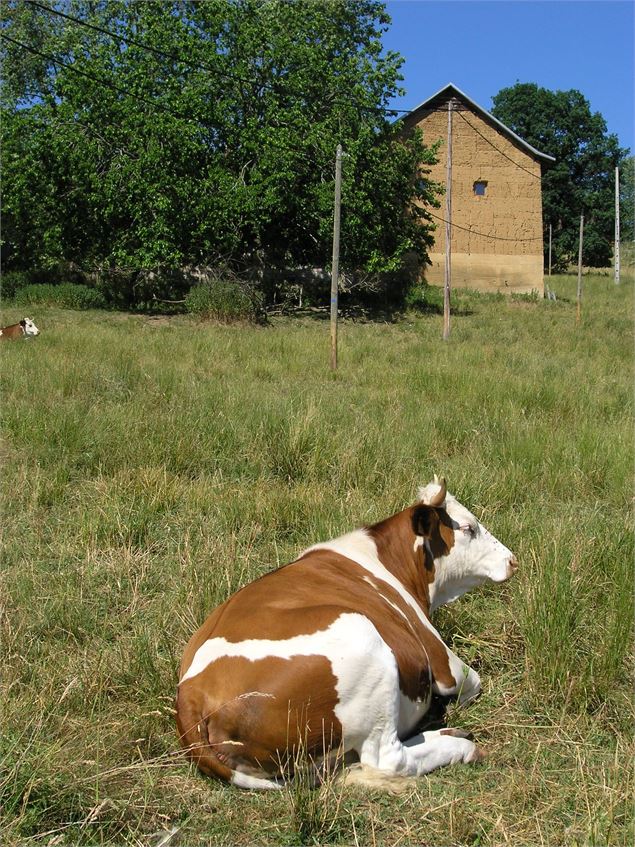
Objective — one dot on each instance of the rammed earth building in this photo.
(496, 216)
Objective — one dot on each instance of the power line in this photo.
(161, 107)
(127, 40)
(105, 83)
(491, 143)
(152, 104)
(176, 58)
(481, 234)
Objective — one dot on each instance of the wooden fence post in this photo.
(335, 265)
(616, 249)
(448, 232)
(579, 294)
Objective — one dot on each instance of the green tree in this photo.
(215, 145)
(627, 200)
(581, 181)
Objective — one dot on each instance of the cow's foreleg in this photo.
(423, 753)
(451, 677)
(437, 748)
(370, 715)
(461, 681)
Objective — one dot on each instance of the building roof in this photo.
(451, 90)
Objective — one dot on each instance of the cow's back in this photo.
(281, 663)
(256, 683)
(302, 600)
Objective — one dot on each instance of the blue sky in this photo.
(485, 45)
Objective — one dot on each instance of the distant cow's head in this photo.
(28, 327)
(467, 554)
(24, 329)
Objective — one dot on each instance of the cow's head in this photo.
(28, 327)
(469, 554)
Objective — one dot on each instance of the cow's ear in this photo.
(424, 520)
(23, 322)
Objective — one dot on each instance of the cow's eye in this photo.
(469, 529)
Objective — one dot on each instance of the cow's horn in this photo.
(439, 498)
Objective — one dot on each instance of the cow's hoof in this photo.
(476, 756)
(458, 733)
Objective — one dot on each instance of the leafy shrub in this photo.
(12, 281)
(68, 295)
(224, 300)
(422, 297)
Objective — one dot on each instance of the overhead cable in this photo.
(127, 40)
(481, 234)
(152, 104)
(491, 143)
(176, 58)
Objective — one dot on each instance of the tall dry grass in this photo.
(150, 468)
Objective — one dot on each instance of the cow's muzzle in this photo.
(512, 567)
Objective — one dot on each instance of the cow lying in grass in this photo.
(335, 652)
(24, 329)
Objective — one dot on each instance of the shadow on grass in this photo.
(359, 314)
(370, 314)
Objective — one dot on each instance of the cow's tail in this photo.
(364, 776)
(210, 755)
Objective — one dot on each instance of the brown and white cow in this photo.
(335, 651)
(24, 329)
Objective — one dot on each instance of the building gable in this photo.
(451, 91)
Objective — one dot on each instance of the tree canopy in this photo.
(627, 199)
(163, 134)
(582, 180)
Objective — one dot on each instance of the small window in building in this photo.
(480, 188)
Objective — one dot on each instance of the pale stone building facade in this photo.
(497, 235)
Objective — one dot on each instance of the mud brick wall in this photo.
(510, 211)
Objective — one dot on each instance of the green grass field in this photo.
(151, 467)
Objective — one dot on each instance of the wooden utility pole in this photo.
(616, 250)
(448, 232)
(550, 228)
(335, 265)
(579, 296)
